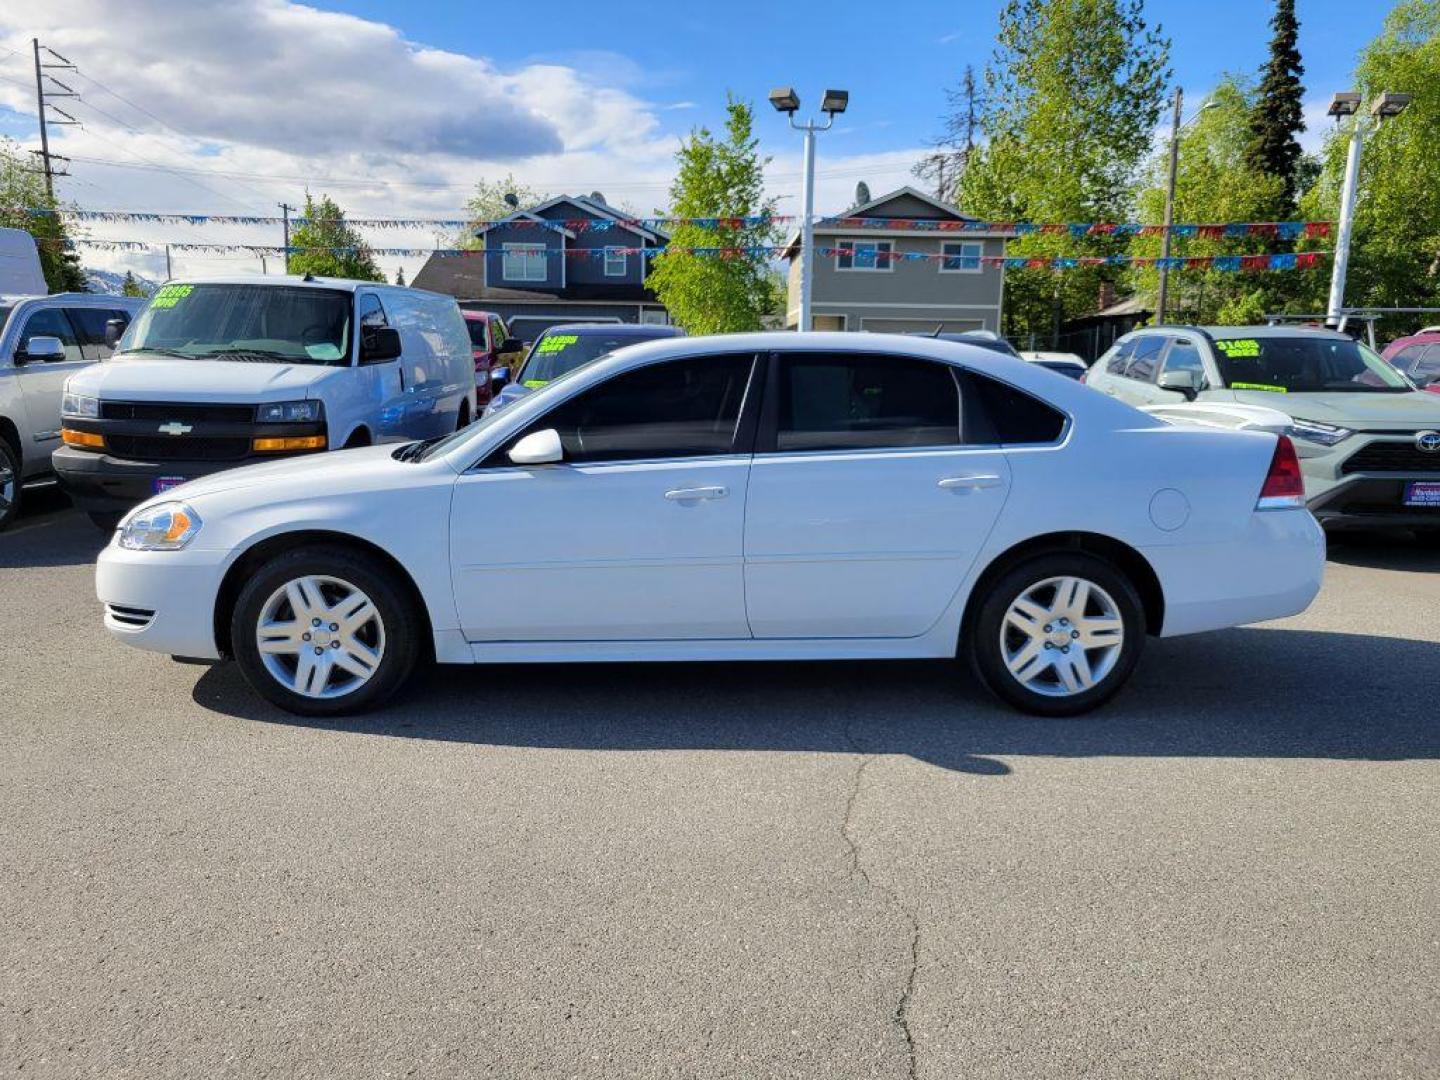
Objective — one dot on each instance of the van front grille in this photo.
(181, 448)
(163, 412)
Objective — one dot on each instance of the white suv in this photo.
(1368, 439)
(43, 341)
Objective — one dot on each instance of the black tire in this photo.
(399, 615)
(10, 488)
(105, 520)
(986, 651)
(464, 419)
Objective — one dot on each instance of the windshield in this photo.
(1305, 364)
(272, 323)
(556, 354)
(427, 448)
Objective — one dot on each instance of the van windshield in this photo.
(255, 323)
(1305, 364)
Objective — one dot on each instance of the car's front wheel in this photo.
(1059, 634)
(9, 483)
(325, 631)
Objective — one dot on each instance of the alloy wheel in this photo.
(1062, 636)
(320, 637)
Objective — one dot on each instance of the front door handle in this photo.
(691, 494)
(970, 483)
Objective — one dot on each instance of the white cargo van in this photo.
(221, 372)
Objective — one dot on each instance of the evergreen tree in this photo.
(955, 146)
(330, 248)
(130, 287)
(400, 277)
(1278, 117)
(718, 177)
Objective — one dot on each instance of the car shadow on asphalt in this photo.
(1248, 693)
(1392, 550)
(48, 533)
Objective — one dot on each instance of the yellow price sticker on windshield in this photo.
(1258, 386)
(170, 295)
(557, 343)
(1238, 347)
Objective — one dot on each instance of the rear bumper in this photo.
(1273, 571)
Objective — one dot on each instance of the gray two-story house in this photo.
(572, 257)
(859, 285)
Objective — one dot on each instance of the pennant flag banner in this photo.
(1283, 230)
(1229, 263)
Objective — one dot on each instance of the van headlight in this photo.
(166, 526)
(79, 406)
(288, 412)
(1316, 432)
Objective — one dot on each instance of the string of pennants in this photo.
(1274, 230)
(1224, 263)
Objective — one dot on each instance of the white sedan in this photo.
(765, 497)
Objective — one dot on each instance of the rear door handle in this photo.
(691, 494)
(970, 483)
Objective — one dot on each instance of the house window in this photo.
(961, 258)
(615, 262)
(864, 255)
(523, 262)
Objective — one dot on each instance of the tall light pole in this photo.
(1342, 105)
(1162, 294)
(787, 101)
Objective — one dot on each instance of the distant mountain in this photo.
(112, 284)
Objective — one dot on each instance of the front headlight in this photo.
(79, 406)
(167, 526)
(288, 412)
(1316, 432)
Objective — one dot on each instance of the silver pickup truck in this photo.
(43, 341)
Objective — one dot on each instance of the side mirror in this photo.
(114, 331)
(45, 349)
(1187, 382)
(499, 379)
(379, 344)
(511, 345)
(538, 448)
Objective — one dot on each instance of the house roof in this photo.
(944, 211)
(463, 277)
(585, 204)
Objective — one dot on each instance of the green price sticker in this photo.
(535, 384)
(1258, 386)
(558, 343)
(1238, 347)
(170, 295)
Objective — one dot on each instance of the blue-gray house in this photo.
(573, 257)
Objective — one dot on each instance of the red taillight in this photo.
(1284, 485)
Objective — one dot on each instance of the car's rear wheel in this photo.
(1058, 635)
(9, 483)
(325, 631)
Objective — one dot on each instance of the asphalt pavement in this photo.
(825, 870)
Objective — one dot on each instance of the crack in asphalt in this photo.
(901, 1016)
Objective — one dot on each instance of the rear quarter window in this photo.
(996, 412)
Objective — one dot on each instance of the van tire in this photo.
(105, 520)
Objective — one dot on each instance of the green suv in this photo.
(1368, 439)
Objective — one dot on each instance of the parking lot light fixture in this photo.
(832, 104)
(1390, 104)
(1345, 103)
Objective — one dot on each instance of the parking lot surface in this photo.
(789, 870)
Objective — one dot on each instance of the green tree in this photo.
(487, 203)
(330, 248)
(400, 276)
(1395, 253)
(718, 177)
(1073, 94)
(1215, 182)
(131, 287)
(1278, 116)
(22, 186)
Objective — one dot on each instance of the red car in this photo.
(1419, 357)
(492, 348)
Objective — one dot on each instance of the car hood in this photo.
(1410, 410)
(333, 471)
(150, 378)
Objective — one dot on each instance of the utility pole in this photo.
(168, 274)
(285, 208)
(1163, 293)
(43, 109)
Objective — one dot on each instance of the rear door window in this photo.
(862, 402)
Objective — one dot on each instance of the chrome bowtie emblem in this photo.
(175, 428)
(1429, 441)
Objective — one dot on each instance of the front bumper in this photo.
(102, 483)
(163, 601)
(1369, 501)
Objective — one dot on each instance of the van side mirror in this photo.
(44, 349)
(114, 331)
(1187, 381)
(538, 448)
(379, 344)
